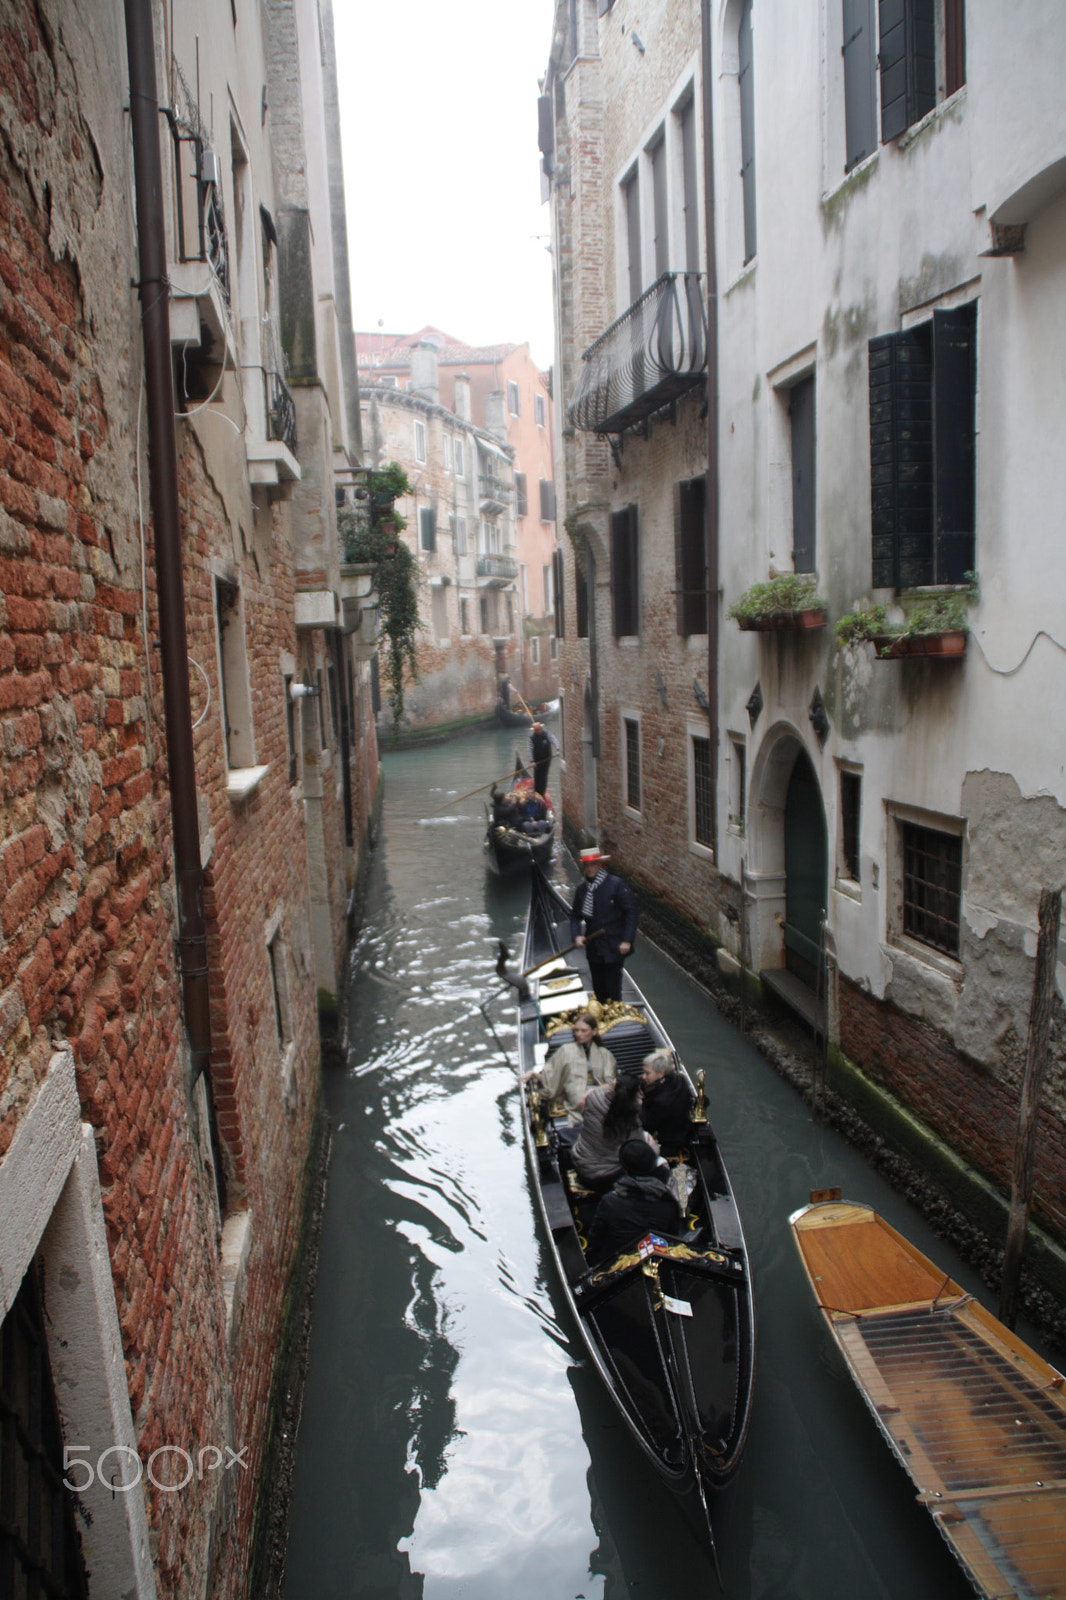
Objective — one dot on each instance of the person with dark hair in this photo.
(640, 1202)
(541, 746)
(667, 1104)
(603, 906)
(611, 1115)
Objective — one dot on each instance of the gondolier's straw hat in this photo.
(591, 855)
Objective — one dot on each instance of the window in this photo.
(557, 593)
(233, 675)
(581, 601)
(954, 45)
(484, 606)
(540, 410)
(747, 129)
(464, 616)
(546, 574)
(690, 183)
(460, 536)
(439, 601)
(420, 441)
(427, 528)
(801, 429)
(631, 208)
(513, 399)
(922, 390)
(661, 239)
(850, 819)
(460, 468)
(553, 648)
(534, 651)
(631, 736)
(279, 979)
(323, 740)
(860, 82)
(521, 499)
(290, 729)
(907, 58)
(702, 792)
(334, 705)
(625, 572)
(738, 782)
(690, 556)
(932, 886)
(447, 450)
(547, 500)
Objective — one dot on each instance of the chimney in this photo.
(462, 396)
(495, 422)
(425, 373)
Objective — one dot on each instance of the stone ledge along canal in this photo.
(453, 1440)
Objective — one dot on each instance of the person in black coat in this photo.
(639, 1203)
(541, 746)
(603, 905)
(667, 1105)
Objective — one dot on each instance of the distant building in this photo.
(499, 390)
(865, 826)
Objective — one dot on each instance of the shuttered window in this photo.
(907, 59)
(690, 555)
(427, 527)
(747, 129)
(581, 602)
(691, 185)
(631, 728)
(521, 500)
(801, 424)
(954, 45)
(631, 200)
(547, 500)
(860, 81)
(922, 458)
(659, 217)
(625, 572)
(558, 582)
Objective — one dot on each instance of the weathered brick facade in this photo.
(201, 1202)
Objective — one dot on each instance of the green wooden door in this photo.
(806, 871)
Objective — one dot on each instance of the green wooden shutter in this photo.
(954, 384)
(860, 82)
(901, 460)
(908, 63)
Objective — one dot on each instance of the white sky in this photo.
(439, 131)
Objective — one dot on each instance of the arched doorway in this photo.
(787, 871)
(806, 872)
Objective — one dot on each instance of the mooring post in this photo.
(1047, 944)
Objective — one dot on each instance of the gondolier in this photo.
(604, 906)
(541, 745)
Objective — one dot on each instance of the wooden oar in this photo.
(548, 959)
(505, 779)
(522, 703)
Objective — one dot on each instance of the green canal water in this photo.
(453, 1443)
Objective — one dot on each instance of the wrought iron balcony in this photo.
(655, 352)
(493, 493)
(497, 567)
(282, 422)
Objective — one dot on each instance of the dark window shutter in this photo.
(954, 386)
(747, 129)
(428, 520)
(521, 499)
(908, 63)
(954, 45)
(558, 593)
(860, 84)
(547, 500)
(625, 572)
(581, 601)
(801, 417)
(901, 459)
(690, 555)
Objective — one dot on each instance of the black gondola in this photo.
(509, 850)
(669, 1325)
(509, 718)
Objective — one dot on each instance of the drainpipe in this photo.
(153, 289)
(713, 594)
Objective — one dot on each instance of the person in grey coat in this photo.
(611, 1116)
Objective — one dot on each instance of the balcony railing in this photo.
(494, 494)
(497, 567)
(656, 351)
(282, 409)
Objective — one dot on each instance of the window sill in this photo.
(244, 781)
(703, 851)
(849, 888)
(934, 960)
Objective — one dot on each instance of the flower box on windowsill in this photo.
(950, 645)
(782, 621)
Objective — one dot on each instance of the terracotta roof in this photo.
(392, 351)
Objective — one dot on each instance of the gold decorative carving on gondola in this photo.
(608, 1014)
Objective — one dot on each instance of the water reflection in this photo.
(452, 1442)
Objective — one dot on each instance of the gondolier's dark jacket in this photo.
(614, 910)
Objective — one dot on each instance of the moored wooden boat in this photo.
(669, 1324)
(509, 850)
(975, 1416)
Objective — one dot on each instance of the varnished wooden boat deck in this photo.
(976, 1417)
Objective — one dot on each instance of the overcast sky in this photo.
(439, 128)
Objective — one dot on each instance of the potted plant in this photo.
(937, 625)
(785, 601)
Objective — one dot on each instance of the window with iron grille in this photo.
(40, 1553)
(702, 793)
(631, 728)
(850, 817)
(932, 886)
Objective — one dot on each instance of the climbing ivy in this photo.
(374, 539)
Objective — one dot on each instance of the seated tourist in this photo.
(610, 1116)
(667, 1103)
(640, 1202)
(571, 1071)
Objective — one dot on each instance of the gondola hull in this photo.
(508, 852)
(669, 1325)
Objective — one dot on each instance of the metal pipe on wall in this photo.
(713, 595)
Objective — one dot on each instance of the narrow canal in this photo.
(453, 1443)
